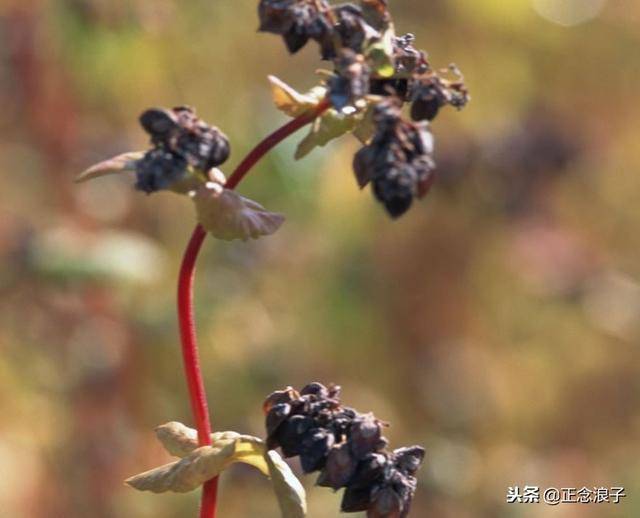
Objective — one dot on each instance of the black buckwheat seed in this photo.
(346, 447)
(349, 35)
(180, 140)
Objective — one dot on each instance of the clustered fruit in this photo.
(180, 141)
(352, 37)
(346, 447)
(398, 160)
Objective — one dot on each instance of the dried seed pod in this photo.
(204, 148)
(158, 123)
(363, 165)
(408, 460)
(430, 92)
(351, 83)
(390, 87)
(276, 16)
(425, 109)
(295, 38)
(355, 499)
(277, 416)
(315, 389)
(352, 29)
(396, 189)
(297, 21)
(370, 472)
(280, 396)
(346, 447)
(182, 133)
(366, 435)
(371, 469)
(385, 503)
(159, 169)
(398, 160)
(369, 58)
(340, 467)
(315, 448)
(408, 59)
(290, 434)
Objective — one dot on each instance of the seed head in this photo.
(346, 447)
(180, 140)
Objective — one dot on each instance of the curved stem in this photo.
(193, 374)
(272, 141)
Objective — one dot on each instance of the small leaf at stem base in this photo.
(228, 216)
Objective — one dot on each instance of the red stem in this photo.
(197, 394)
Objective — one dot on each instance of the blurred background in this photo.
(497, 323)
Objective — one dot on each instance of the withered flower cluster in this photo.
(370, 60)
(346, 447)
(180, 140)
(299, 21)
(397, 160)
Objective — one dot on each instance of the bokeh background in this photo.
(497, 323)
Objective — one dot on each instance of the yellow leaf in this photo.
(380, 55)
(251, 452)
(292, 102)
(202, 464)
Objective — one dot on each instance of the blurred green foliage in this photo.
(497, 324)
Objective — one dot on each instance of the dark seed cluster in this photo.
(353, 36)
(352, 81)
(332, 26)
(180, 139)
(346, 447)
(398, 160)
(297, 22)
(430, 92)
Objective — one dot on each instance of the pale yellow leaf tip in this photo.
(200, 464)
(288, 100)
(290, 493)
(117, 164)
(179, 440)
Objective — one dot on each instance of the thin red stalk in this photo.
(272, 141)
(193, 374)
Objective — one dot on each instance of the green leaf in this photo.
(288, 489)
(380, 55)
(227, 215)
(324, 129)
(117, 164)
(334, 124)
(292, 102)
